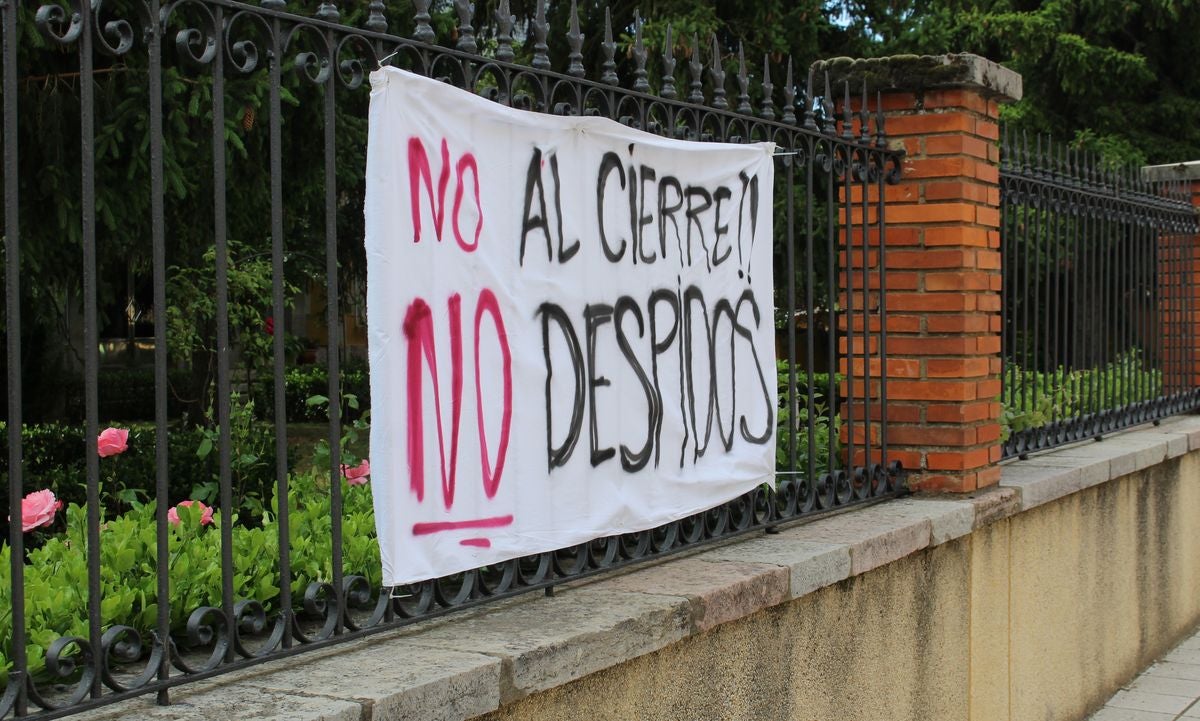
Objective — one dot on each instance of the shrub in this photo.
(304, 382)
(826, 424)
(1032, 399)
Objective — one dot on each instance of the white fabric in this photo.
(531, 231)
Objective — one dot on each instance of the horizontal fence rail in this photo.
(212, 155)
(1098, 310)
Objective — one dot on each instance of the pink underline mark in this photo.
(424, 529)
(477, 542)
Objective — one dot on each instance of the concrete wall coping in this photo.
(918, 73)
(1172, 171)
(469, 663)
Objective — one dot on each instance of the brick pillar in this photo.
(942, 262)
(1179, 283)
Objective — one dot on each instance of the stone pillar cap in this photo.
(917, 73)
(1172, 171)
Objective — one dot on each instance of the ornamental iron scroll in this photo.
(822, 164)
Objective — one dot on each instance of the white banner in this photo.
(570, 327)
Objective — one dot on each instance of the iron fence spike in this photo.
(575, 42)
(541, 60)
(696, 66)
(504, 27)
(609, 67)
(668, 59)
(466, 33)
(718, 77)
(768, 101)
(640, 83)
(743, 81)
(789, 96)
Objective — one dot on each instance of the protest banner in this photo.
(570, 327)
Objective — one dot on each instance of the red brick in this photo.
(895, 280)
(897, 367)
(987, 260)
(930, 259)
(924, 124)
(897, 412)
(958, 281)
(944, 483)
(988, 433)
(988, 344)
(908, 459)
(904, 323)
(956, 367)
(985, 128)
(954, 345)
(988, 302)
(941, 167)
(989, 217)
(957, 412)
(956, 98)
(931, 390)
(976, 323)
(932, 213)
(956, 190)
(896, 101)
(987, 173)
(956, 145)
(988, 477)
(970, 236)
(957, 461)
(932, 435)
(988, 389)
(932, 301)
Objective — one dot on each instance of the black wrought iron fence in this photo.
(1099, 296)
(213, 149)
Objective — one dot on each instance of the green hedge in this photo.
(304, 382)
(127, 394)
(56, 578)
(55, 458)
(1035, 398)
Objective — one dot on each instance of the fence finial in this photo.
(541, 28)
(880, 133)
(768, 90)
(504, 28)
(423, 32)
(789, 96)
(466, 33)
(376, 20)
(809, 122)
(828, 122)
(718, 76)
(743, 83)
(864, 118)
(696, 65)
(640, 83)
(668, 76)
(847, 113)
(328, 12)
(609, 74)
(575, 42)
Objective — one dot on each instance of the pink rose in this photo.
(357, 475)
(205, 513)
(38, 509)
(112, 441)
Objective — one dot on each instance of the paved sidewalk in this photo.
(1168, 690)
